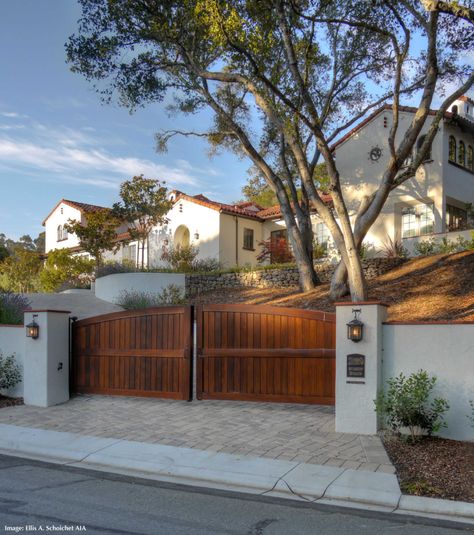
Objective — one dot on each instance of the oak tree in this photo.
(284, 79)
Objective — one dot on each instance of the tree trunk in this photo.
(143, 253)
(339, 287)
(357, 284)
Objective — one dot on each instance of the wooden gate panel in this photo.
(137, 353)
(264, 353)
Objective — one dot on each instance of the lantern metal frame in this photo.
(32, 329)
(355, 328)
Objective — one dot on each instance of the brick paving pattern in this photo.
(303, 433)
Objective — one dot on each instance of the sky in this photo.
(57, 140)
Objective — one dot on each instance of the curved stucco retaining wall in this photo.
(110, 287)
(444, 350)
(12, 340)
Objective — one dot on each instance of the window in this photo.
(64, 234)
(408, 222)
(129, 253)
(417, 220)
(59, 233)
(456, 218)
(462, 154)
(470, 158)
(426, 215)
(323, 235)
(452, 149)
(419, 143)
(248, 239)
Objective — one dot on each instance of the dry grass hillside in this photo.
(439, 287)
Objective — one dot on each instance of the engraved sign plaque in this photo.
(356, 365)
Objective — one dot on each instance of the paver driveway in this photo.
(303, 433)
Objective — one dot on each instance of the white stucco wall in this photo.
(444, 350)
(12, 340)
(459, 182)
(361, 176)
(109, 288)
(197, 218)
(57, 218)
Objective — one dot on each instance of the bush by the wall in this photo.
(408, 404)
(12, 307)
(10, 372)
(133, 299)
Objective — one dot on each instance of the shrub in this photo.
(134, 299)
(394, 249)
(181, 257)
(62, 270)
(111, 268)
(10, 372)
(206, 265)
(425, 247)
(365, 250)
(276, 250)
(12, 307)
(407, 404)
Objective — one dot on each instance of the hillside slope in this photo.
(438, 287)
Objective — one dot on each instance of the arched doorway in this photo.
(182, 237)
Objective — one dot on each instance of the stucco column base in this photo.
(46, 361)
(356, 388)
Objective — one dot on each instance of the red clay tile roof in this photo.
(231, 209)
(275, 211)
(465, 98)
(83, 207)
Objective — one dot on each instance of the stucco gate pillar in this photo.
(358, 367)
(46, 362)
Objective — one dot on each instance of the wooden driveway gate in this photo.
(264, 353)
(134, 353)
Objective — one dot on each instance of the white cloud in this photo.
(13, 115)
(76, 156)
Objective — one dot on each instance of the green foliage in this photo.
(12, 307)
(8, 246)
(425, 247)
(206, 265)
(445, 246)
(394, 249)
(61, 268)
(181, 257)
(144, 204)
(258, 191)
(20, 271)
(98, 235)
(171, 295)
(365, 250)
(407, 403)
(10, 372)
(320, 250)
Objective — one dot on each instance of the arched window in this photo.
(462, 154)
(64, 234)
(419, 144)
(60, 232)
(452, 149)
(470, 158)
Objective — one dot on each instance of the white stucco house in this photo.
(434, 204)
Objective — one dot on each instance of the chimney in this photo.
(464, 107)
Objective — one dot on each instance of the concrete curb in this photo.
(313, 483)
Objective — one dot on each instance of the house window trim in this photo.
(418, 218)
(452, 150)
(246, 246)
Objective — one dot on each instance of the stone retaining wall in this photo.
(278, 278)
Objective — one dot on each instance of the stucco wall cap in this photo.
(48, 310)
(356, 303)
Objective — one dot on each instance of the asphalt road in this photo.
(38, 497)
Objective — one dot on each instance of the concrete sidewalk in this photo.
(272, 477)
(283, 431)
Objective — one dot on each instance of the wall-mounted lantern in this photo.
(355, 328)
(196, 235)
(32, 329)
